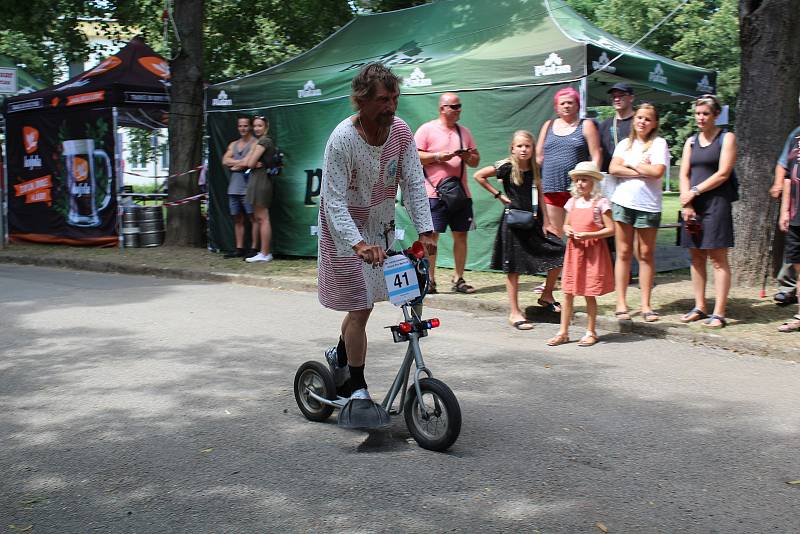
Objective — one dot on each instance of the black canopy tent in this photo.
(63, 154)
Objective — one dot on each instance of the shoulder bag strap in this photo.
(461, 146)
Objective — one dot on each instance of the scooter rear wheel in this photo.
(438, 426)
(314, 376)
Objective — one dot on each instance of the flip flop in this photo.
(695, 314)
(709, 323)
(559, 339)
(432, 288)
(791, 326)
(554, 306)
(623, 315)
(588, 340)
(522, 325)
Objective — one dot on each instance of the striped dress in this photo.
(357, 202)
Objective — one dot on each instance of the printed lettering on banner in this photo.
(602, 63)
(401, 279)
(222, 99)
(657, 76)
(704, 85)
(308, 90)
(417, 79)
(552, 65)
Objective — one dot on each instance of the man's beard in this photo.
(385, 119)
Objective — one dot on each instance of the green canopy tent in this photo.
(506, 59)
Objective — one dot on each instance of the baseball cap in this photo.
(624, 87)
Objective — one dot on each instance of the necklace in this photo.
(571, 124)
(366, 135)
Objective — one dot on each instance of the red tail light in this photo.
(433, 323)
(417, 250)
(405, 327)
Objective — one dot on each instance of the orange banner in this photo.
(38, 196)
(83, 98)
(32, 185)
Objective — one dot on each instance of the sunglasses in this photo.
(453, 106)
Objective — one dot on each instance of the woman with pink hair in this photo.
(562, 144)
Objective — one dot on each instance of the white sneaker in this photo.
(259, 258)
(361, 394)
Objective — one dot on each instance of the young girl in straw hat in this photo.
(587, 269)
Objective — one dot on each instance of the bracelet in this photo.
(497, 195)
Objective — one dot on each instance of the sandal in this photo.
(460, 286)
(791, 326)
(559, 339)
(432, 288)
(554, 306)
(624, 315)
(588, 340)
(651, 316)
(709, 323)
(522, 325)
(695, 314)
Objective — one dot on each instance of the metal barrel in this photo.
(130, 226)
(151, 226)
(130, 236)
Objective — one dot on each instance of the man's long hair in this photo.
(365, 83)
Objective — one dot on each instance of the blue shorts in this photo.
(458, 222)
(237, 204)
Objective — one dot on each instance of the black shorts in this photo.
(791, 247)
(458, 222)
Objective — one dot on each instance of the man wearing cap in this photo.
(618, 127)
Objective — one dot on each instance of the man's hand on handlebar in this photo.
(372, 254)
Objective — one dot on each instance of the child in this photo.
(522, 250)
(587, 264)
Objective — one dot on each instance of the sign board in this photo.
(8, 80)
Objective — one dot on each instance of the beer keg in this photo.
(151, 225)
(130, 226)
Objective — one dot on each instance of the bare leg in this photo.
(556, 216)
(622, 266)
(254, 229)
(646, 237)
(354, 334)
(459, 254)
(591, 315)
(550, 285)
(512, 288)
(265, 229)
(238, 229)
(432, 260)
(566, 317)
(722, 279)
(698, 270)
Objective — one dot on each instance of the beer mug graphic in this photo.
(80, 156)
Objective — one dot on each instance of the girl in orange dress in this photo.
(588, 270)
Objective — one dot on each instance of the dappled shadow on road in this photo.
(102, 433)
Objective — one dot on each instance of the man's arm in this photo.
(227, 158)
(333, 192)
(777, 185)
(412, 184)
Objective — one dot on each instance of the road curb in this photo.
(661, 330)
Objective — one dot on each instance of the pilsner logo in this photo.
(309, 89)
(602, 63)
(657, 76)
(552, 65)
(406, 54)
(417, 79)
(704, 86)
(222, 100)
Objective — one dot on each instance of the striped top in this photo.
(357, 202)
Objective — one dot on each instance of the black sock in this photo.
(341, 353)
(357, 377)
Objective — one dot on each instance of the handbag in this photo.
(519, 219)
(450, 190)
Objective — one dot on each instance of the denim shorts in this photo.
(237, 204)
(458, 222)
(634, 217)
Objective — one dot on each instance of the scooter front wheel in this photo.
(437, 426)
(316, 377)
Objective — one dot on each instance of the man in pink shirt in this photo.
(445, 149)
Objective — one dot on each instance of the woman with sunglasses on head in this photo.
(259, 187)
(563, 142)
(707, 191)
(639, 163)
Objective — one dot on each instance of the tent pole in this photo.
(117, 183)
(4, 200)
(584, 93)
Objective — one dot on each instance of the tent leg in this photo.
(584, 94)
(117, 182)
(4, 200)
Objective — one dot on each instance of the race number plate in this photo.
(401, 279)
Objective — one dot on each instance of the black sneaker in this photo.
(239, 253)
(250, 253)
(341, 374)
(783, 298)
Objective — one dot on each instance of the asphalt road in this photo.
(135, 404)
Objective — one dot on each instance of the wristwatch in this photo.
(497, 195)
(695, 191)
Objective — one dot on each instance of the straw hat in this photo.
(586, 168)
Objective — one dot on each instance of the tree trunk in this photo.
(184, 223)
(767, 111)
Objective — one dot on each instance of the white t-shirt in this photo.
(643, 194)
